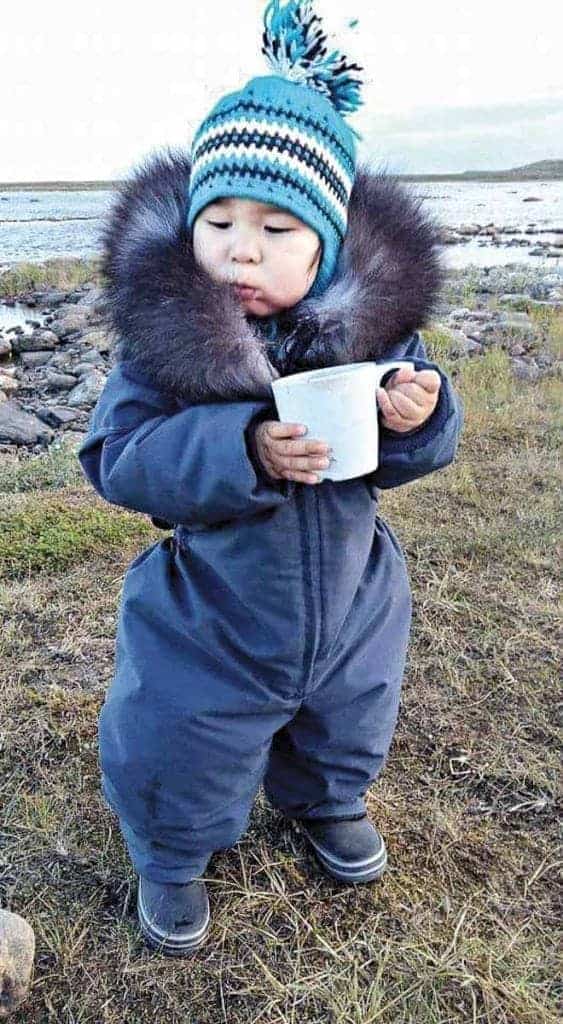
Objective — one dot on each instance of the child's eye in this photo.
(225, 224)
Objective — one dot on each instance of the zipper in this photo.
(311, 577)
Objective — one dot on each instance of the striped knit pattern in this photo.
(277, 141)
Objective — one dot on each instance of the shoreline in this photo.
(465, 176)
(54, 365)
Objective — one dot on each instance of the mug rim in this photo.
(324, 371)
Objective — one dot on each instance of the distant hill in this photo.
(544, 170)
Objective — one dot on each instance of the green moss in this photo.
(52, 535)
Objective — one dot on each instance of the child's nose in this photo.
(245, 247)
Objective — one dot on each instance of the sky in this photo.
(90, 90)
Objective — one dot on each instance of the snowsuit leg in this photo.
(185, 730)
(322, 762)
(159, 862)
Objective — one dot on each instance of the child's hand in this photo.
(409, 398)
(288, 459)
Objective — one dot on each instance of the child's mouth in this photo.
(244, 292)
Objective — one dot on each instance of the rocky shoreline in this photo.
(54, 367)
(495, 235)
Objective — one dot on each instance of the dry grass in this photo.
(462, 928)
(64, 272)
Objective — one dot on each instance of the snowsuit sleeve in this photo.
(188, 465)
(433, 445)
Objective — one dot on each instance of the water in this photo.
(454, 204)
(38, 225)
(17, 315)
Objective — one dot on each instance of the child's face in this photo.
(242, 241)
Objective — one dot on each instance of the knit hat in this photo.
(282, 138)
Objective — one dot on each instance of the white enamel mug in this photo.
(338, 405)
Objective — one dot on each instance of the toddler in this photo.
(264, 640)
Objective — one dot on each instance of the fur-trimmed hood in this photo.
(189, 333)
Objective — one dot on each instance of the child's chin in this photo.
(258, 307)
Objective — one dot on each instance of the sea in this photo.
(38, 225)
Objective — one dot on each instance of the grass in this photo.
(463, 926)
(53, 532)
(54, 468)
(60, 272)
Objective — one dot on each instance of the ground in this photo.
(462, 927)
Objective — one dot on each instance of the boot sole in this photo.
(164, 942)
(359, 871)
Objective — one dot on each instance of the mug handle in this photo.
(394, 364)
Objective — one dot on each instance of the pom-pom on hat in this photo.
(282, 138)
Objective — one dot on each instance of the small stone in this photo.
(60, 381)
(100, 340)
(17, 952)
(56, 415)
(83, 369)
(8, 383)
(88, 391)
(31, 359)
(524, 371)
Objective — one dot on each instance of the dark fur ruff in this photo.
(189, 334)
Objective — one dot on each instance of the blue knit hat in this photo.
(282, 139)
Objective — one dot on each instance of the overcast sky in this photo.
(89, 89)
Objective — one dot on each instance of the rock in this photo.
(514, 299)
(458, 343)
(32, 359)
(56, 415)
(88, 391)
(515, 319)
(90, 355)
(448, 236)
(460, 313)
(17, 952)
(38, 341)
(7, 383)
(474, 348)
(523, 370)
(100, 340)
(94, 300)
(512, 330)
(50, 298)
(20, 427)
(61, 361)
(60, 381)
(71, 323)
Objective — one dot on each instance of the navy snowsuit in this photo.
(265, 640)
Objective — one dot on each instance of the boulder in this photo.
(39, 341)
(20, 427)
